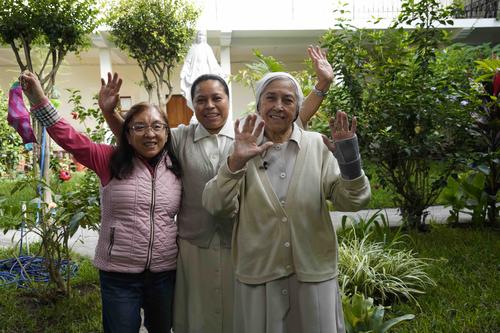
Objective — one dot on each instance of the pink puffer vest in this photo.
(138, 230)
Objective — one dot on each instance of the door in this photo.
(177, 111)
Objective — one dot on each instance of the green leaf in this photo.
(74, 223)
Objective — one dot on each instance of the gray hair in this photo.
(270, 77)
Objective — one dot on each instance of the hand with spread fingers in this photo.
(109, 94)
(32, 87)
(245, 143)
(339, 128)
(322, 67)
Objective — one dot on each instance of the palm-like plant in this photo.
(385, 273)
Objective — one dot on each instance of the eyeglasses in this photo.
(142, 128)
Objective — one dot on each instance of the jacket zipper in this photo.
(151, 220)
(111, 241)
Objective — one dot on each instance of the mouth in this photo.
(150, 144)
(211, 116)
(277, 116)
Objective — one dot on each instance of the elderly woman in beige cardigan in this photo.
(276, 181)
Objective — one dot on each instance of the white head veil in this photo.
(270, 77)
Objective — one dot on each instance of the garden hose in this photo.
(26, 269)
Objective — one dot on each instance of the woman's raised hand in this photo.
(322, 67)
(245, 143)
(32, 87)
(109, 95)
(339, 128)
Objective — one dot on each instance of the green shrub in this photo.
(386, 273)
(360, 315)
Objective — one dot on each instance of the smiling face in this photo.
(146, 139)
(278, 106)
(211, 105)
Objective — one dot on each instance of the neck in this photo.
(278, 137)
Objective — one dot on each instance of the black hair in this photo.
(121, 163)
(207, 77)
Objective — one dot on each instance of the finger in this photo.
(237, 127)
(322, 52)
(118, 85)
(329, 143)
(115, 78)
(314, 51)
(338, 121)
(109, 78)
(331, 124)
(344, 124)
(354, 125)
(317, 51)
(249, 124)
(258, 130)
(103, 83)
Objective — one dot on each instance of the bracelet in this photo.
(319, 93)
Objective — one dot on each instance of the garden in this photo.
(429, 131)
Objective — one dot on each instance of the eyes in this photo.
(141, 128)
(287, 99)
(204, 99)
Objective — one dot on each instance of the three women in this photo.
(205, 275)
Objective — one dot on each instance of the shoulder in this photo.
(311, 137)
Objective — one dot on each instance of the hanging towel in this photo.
(18, 116)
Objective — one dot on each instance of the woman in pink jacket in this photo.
(140, 195)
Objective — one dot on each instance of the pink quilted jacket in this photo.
(138, 230)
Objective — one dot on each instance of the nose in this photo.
(210, 103)
(149, 132)
(278, 105)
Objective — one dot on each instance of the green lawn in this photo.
(466, 299)
(467, 296)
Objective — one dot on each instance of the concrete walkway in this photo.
(84, 241)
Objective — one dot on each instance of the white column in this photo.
(105, 62)
(225, 63)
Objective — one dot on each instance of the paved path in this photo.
(84, 241)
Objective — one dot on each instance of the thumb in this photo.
(265, 146)
(329, 144)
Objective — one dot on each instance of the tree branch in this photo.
(18, 57)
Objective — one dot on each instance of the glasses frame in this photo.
(145, 128)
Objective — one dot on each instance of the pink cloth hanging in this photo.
(18, 116)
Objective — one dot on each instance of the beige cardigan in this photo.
(271, 241)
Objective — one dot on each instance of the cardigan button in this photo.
(284, 292)
(284, 219)
(287, 244)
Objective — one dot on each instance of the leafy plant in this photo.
(156, 34)
(385, 273)
(360, 315)
(375, 227)
(487, 127)
(407, 127)
(466, 191)
(57, 26)
(56, 221)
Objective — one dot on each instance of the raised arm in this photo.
(351, 191)
(109, 96)
(220, 196)
(93, 155)
(324, 73)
